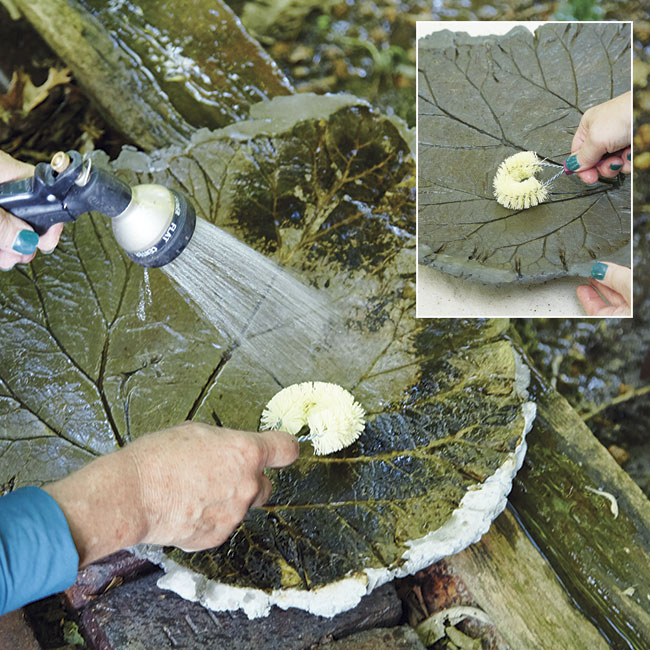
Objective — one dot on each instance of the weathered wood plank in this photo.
(519, 591)
(159, 71)
(603, 559)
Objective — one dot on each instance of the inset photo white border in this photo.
(441, 295)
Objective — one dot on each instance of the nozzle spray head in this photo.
(156, 225)
(152, 223)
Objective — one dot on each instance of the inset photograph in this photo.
(524, 160)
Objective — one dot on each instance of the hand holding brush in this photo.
(601, 144)
(602, 148)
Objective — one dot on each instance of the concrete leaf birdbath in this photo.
(323, 185)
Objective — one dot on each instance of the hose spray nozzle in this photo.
(152, 223)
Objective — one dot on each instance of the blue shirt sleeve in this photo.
(38, 557)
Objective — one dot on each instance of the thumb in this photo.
(614, 276)
(12, 169)
(16, 235)
(587, 156)
(280, 448)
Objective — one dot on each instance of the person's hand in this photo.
(603, 129)
(197, 482)
(18, 241)
(188, 486)
(610, 291)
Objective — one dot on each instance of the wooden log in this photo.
(107, 573)
(159, 71)
(518, 590)
(583, 580)
(603, 559)
(394, 638)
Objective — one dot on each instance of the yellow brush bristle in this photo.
(515, 185)
(334, 418)
(522, 165)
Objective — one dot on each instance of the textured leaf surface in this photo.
(79, 372)
(484, 99)
(333, 516)
(324, 186)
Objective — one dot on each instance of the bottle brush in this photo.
(335, 420)
(515, 184)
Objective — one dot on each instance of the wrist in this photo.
(102, 505)
(158, 504)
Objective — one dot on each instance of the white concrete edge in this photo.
(467, 524)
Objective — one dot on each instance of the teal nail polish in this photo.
(572, 163)
(598, 270)
(615, 167)
(26, 242)
(629, 156)
(48, 252)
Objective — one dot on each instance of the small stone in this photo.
(301, 53)
(300, 71)
(620, 455)
(642, 161)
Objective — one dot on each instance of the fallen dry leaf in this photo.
(23, 95)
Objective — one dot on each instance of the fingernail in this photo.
(615, 167)
(26, 242)
(572, 163)
(48, 252)
(598, 270)
(629, 156)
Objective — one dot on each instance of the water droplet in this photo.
(145, 296)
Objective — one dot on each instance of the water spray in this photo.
(152, 223)
(257, 305)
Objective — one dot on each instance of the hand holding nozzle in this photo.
(62, 191)
(152, 223)
(18, 241)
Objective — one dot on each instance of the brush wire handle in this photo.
(48, 197)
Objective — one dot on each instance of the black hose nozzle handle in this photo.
(49, 197)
